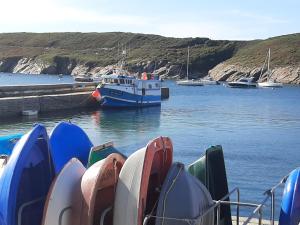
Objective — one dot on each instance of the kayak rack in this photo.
(215, 208)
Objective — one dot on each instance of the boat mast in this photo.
(187, 66)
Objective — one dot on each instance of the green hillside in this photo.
(102, 48)
(285, 51)
(66, 50)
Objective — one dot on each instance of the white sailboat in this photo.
(269, 83)
(188, 82)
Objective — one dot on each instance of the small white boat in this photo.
(188, 82)
(209, 81)
(83, 79)
(269, 83)
(243, 83)
(30, 112)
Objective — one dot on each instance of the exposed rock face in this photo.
(228, 72)
(221, 72)
(29, 65)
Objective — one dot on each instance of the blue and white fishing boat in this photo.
(128, 91)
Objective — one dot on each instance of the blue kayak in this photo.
(69, 141)
(26, 180)
(290, 205)
(7, 143)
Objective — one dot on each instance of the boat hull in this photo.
(98, 187)
(210, 170)
(290, 207)
(183, 197)
(239, 85)
(118, 98)
(270, 85)
(26, 180)
(141, 176)
(68, 141)
(60, 204)
(7, 143)
(100, 152)
(189, 83)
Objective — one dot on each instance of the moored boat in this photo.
(269, 82)
(243, 83)
(100, 152)
(60, 206)
(7, 144)
(26, 179)
(69, 141)
(210, 170)
(128, 91)
(141, 177)
(83, 79)
(290, 207)
(183, 198)
(98, 186)
(189, 82)
(208, 80)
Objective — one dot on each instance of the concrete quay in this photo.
(45, 98)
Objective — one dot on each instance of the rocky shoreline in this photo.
(229, 72)
(222, 72)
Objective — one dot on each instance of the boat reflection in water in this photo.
(121, 120)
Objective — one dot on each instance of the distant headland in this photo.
(95, 53)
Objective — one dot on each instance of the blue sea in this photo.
(259, 129)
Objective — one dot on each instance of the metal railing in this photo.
(216, 208)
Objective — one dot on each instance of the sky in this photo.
(215, 19)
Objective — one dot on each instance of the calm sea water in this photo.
(259, 130)
(23, 79)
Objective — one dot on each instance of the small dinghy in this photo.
(100, 152)
(210, 170)
(7, 144)
(98, 186)
(183, 198)
(60, 201)
(69, 141)
(26, 180)
(140, 180)
(290, 207)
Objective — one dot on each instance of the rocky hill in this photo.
(248, 60)
(95, 53)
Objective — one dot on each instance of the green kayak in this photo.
(100, 152)
(210, 170)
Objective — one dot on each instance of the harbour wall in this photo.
(14, 100)
(45, 98)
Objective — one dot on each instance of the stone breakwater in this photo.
(45, 98)
(227, 72)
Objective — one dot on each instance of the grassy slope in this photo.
(102, 48)
(285, 51)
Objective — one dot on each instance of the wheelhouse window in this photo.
(122, 81)
(116, 81)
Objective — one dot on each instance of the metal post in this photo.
(218, 214)
(238, 207)
(260, 215)
(273, 206)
